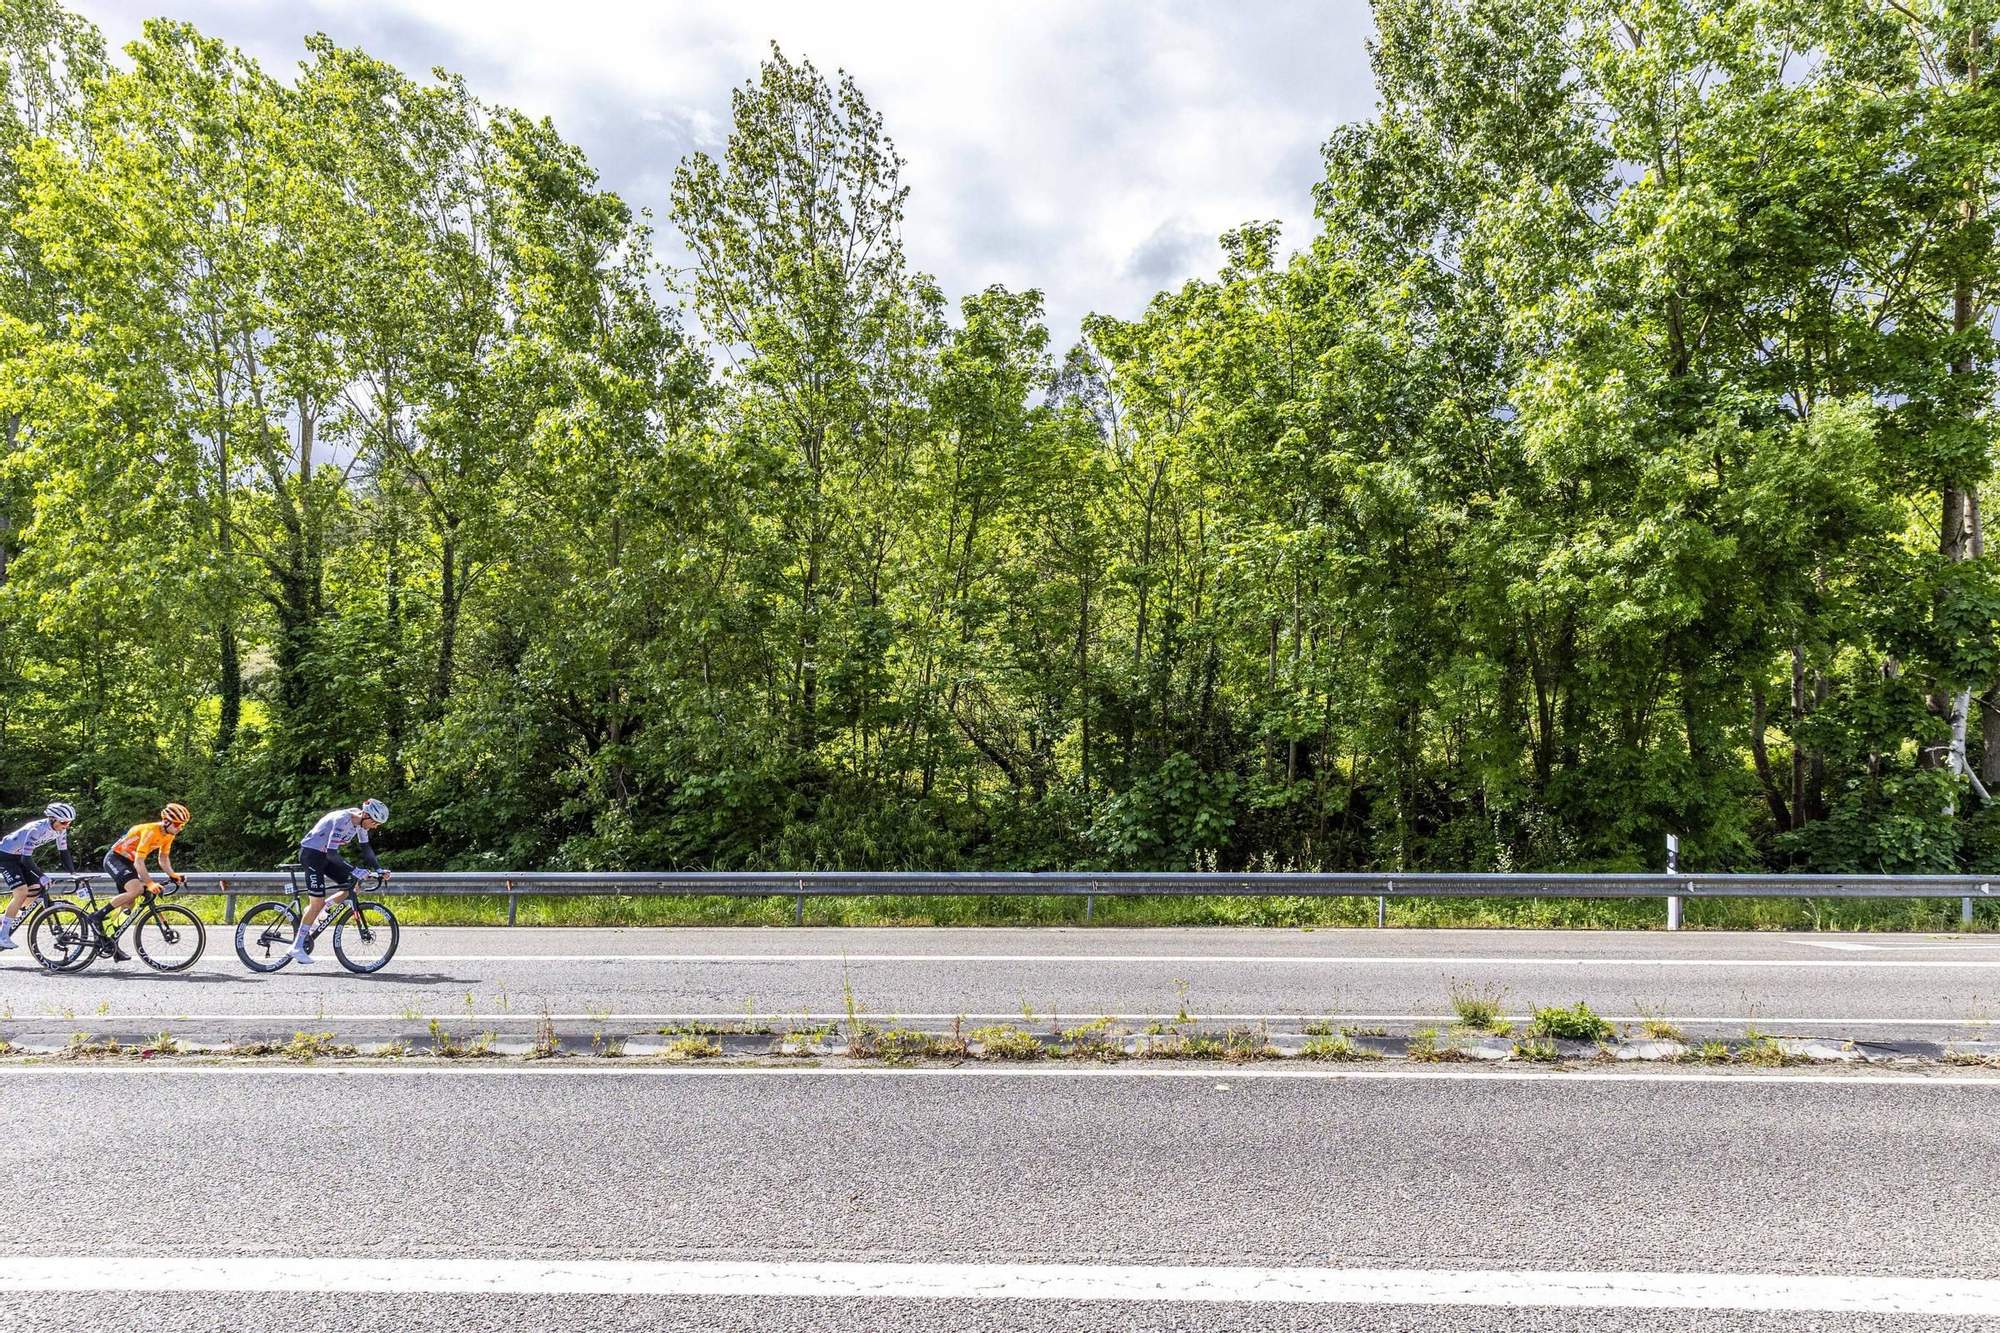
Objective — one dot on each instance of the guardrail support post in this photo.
(229, 903)
(1673, 868)
(513, 902)
(1381, 912)
(799, 909)
(1965, 910)
(1090, 902)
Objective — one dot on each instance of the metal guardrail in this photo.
(1091, 885)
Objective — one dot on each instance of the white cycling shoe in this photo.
(299, 956)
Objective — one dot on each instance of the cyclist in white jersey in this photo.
(319, 856)
(17, 862)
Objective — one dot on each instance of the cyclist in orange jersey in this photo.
(126, 863)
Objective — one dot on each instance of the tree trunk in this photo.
(808, 728)
(448, 600)
(1761, 755)
(395, 724)
(229, 666)
(1083, 687)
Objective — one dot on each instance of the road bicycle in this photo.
(40, 899)
(65, 937)
(365, 932)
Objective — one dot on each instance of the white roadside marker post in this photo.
(1673, 868)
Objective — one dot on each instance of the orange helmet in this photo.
(175, 813)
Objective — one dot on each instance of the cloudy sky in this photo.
(1092, 148)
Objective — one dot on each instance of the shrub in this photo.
(1577, 1023)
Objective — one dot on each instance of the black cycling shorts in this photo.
(122, 871)
(18, 870)
(322, 869)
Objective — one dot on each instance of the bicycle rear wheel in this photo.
(170, 938)
(264, 935)
(59, 936)
(365, 937)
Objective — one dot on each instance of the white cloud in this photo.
(1093, 150)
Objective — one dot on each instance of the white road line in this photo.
(1771, 1292)
(1196, 960)
(1221, 1075)
(803, 1016)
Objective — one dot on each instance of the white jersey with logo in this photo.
(23, 840)
(335, 830)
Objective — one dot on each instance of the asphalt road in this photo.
(1846, 985)
(1849, 1177)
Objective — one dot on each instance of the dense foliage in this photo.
(1608, 464)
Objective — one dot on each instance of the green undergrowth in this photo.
(1579, 1022)
(1930, 915)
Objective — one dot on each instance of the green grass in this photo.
(1337, 1048)
(1915, 914)
(1478, 1009)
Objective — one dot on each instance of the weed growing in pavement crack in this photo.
(1578, 1023)
(81, 1047)
(164, 1043)
(1762, 1049)
(691, 1048)
(1336, 1047)
(547, 1044)
(1971, 1059)
(1540, 1049)
(1097, 1040)
(1478, 1009)
(444, 1044)
(1007, 1042)
(901, 1046)
(1176, 1045)
(1655, 1025)
(1425, 1048)
(799, 1042)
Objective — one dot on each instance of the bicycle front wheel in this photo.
(170, 938)
(364, 939)
(59, 937)
(264, 936)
